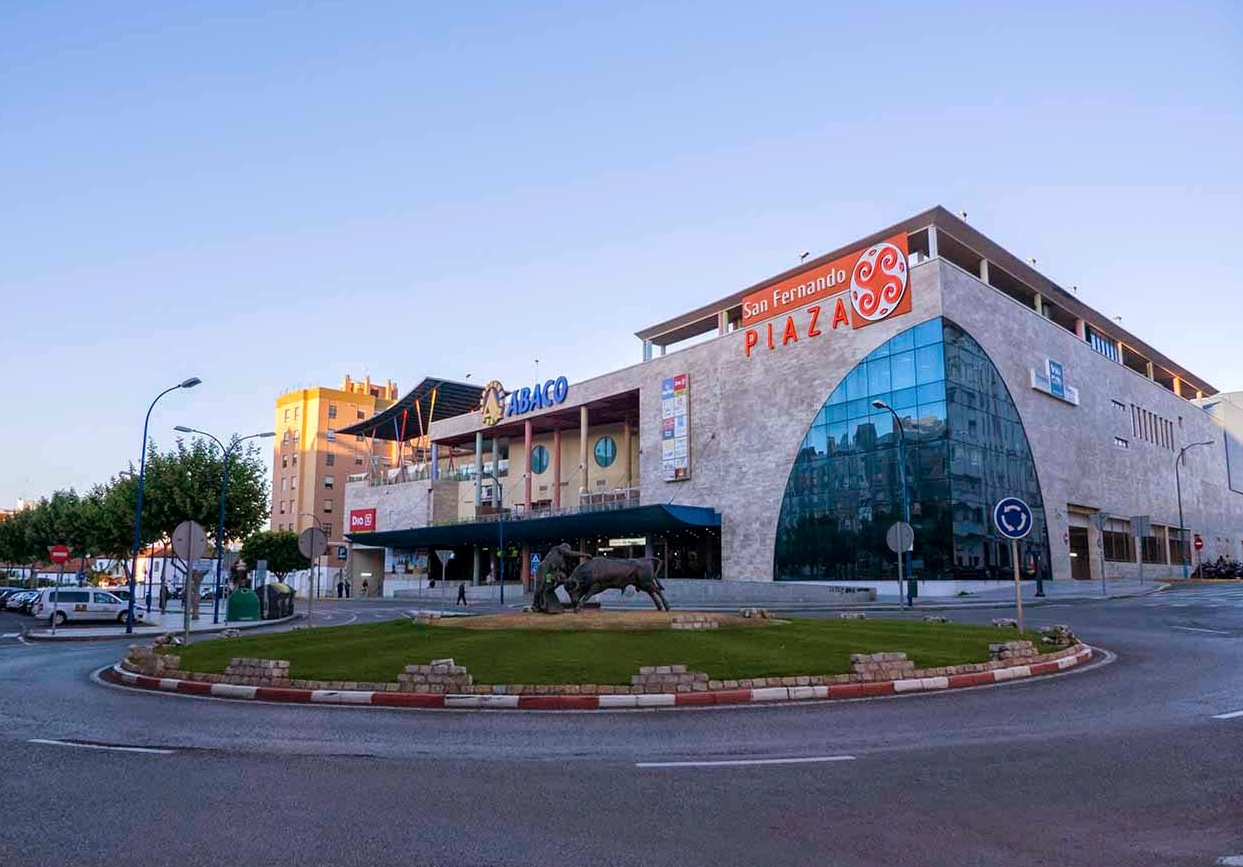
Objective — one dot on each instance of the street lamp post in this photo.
(1178, 487)
(906, 504)
(500, 531)
(142, 471)
(226, 452)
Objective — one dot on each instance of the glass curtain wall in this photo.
(965, 449)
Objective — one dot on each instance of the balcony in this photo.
(597, 501)
(420, 472)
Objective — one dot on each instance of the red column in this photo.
(526, 484)
(556, 468)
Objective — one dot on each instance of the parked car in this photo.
(6, 593)
(80, 603)
(21, 601)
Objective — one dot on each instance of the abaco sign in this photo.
(495, 403)
(874, 281)
(362, 520)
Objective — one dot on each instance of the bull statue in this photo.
(597, 574)
(557, 564)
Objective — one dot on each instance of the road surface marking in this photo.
(1197, 629)
(733, 763)
(10, 635)
(1230, 861)
(1231, 715)
(102, 747)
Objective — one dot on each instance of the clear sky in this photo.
(269, 195)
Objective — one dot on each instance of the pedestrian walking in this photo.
(461, 594)
(340, 589)
(349, 587)
(163, 598)
(365, 588)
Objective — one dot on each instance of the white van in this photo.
(81, 603)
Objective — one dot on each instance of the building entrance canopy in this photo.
(613, 521)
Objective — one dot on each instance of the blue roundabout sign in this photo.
(1013, 517)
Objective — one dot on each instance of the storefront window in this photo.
(964, 449)
(606, 451)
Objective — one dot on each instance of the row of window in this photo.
(332, 412)
(331, 436)
(292, 525)
(1106, 346)
(1152, 428)
(605, 453)
(1119, 545)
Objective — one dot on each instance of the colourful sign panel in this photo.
(362, 520)
(675, 408)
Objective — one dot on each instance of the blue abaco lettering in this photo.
(545, 396)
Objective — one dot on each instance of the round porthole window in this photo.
(539, 459)
(606, 451)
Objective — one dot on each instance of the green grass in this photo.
(378, 652)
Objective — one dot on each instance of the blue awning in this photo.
(634, 520)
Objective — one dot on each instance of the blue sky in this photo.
(274, 195)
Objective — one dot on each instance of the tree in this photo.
(280, 549)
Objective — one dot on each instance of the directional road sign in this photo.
(900, 537)
(1013, 517)
(312, 542)
(189, 541)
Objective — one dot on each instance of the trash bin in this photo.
(278, 599)
(243, 604)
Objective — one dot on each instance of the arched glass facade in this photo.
(965, 449)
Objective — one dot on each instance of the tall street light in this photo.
(500, 532)
(142, 471)
(1182, 531)
(224, 492)
(906, 505)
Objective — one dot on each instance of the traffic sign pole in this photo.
(57, 554)
(1018, 593)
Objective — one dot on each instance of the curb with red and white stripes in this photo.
(117, 675)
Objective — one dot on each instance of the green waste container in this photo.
(243, 605)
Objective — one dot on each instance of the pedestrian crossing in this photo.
(1195, 596)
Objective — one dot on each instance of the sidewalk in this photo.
(151, 627)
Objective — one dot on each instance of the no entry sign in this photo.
(59, 553)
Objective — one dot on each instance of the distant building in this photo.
(310, 461)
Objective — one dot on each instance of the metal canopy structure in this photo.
(637, 519)
(411, 416)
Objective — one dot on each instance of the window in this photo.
(327, 528)
(327, 505)
(332, 410)
(293, 483)
(539, 459)
(286, 414)
(330, 459)
(295, 413)
(1106, 346)
(1153, 547)
(358, 438)
(1119, 405)
(606, 452)
(282, 507)
(332, 435)
(329, 481)
(105, 598)
(283, 481)
(361, 414)
(295, 460)
(284, 461)
(358, 460)
(1121, 443)
(1117, 542)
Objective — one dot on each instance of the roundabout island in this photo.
(599, 660)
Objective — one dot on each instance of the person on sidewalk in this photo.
(365, 588)
(163, 598)
(461, 594)
(340, 589)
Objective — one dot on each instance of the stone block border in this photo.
(975, 674)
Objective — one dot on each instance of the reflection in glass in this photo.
(965, 449)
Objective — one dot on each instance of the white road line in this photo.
(1231, 715)
(733, 763)
(1230, 861)
(1197, 629)
(10, 635)
(102, 747)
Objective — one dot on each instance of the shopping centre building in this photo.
(767, 436)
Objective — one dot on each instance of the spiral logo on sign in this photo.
(878, 282)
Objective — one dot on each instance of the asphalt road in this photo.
(1122, 764)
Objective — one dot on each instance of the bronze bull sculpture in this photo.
(597, 574)
(553, 570)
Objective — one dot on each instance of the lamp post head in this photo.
(181, 428)
(190, 383)
(880, 404)
(269, 433)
